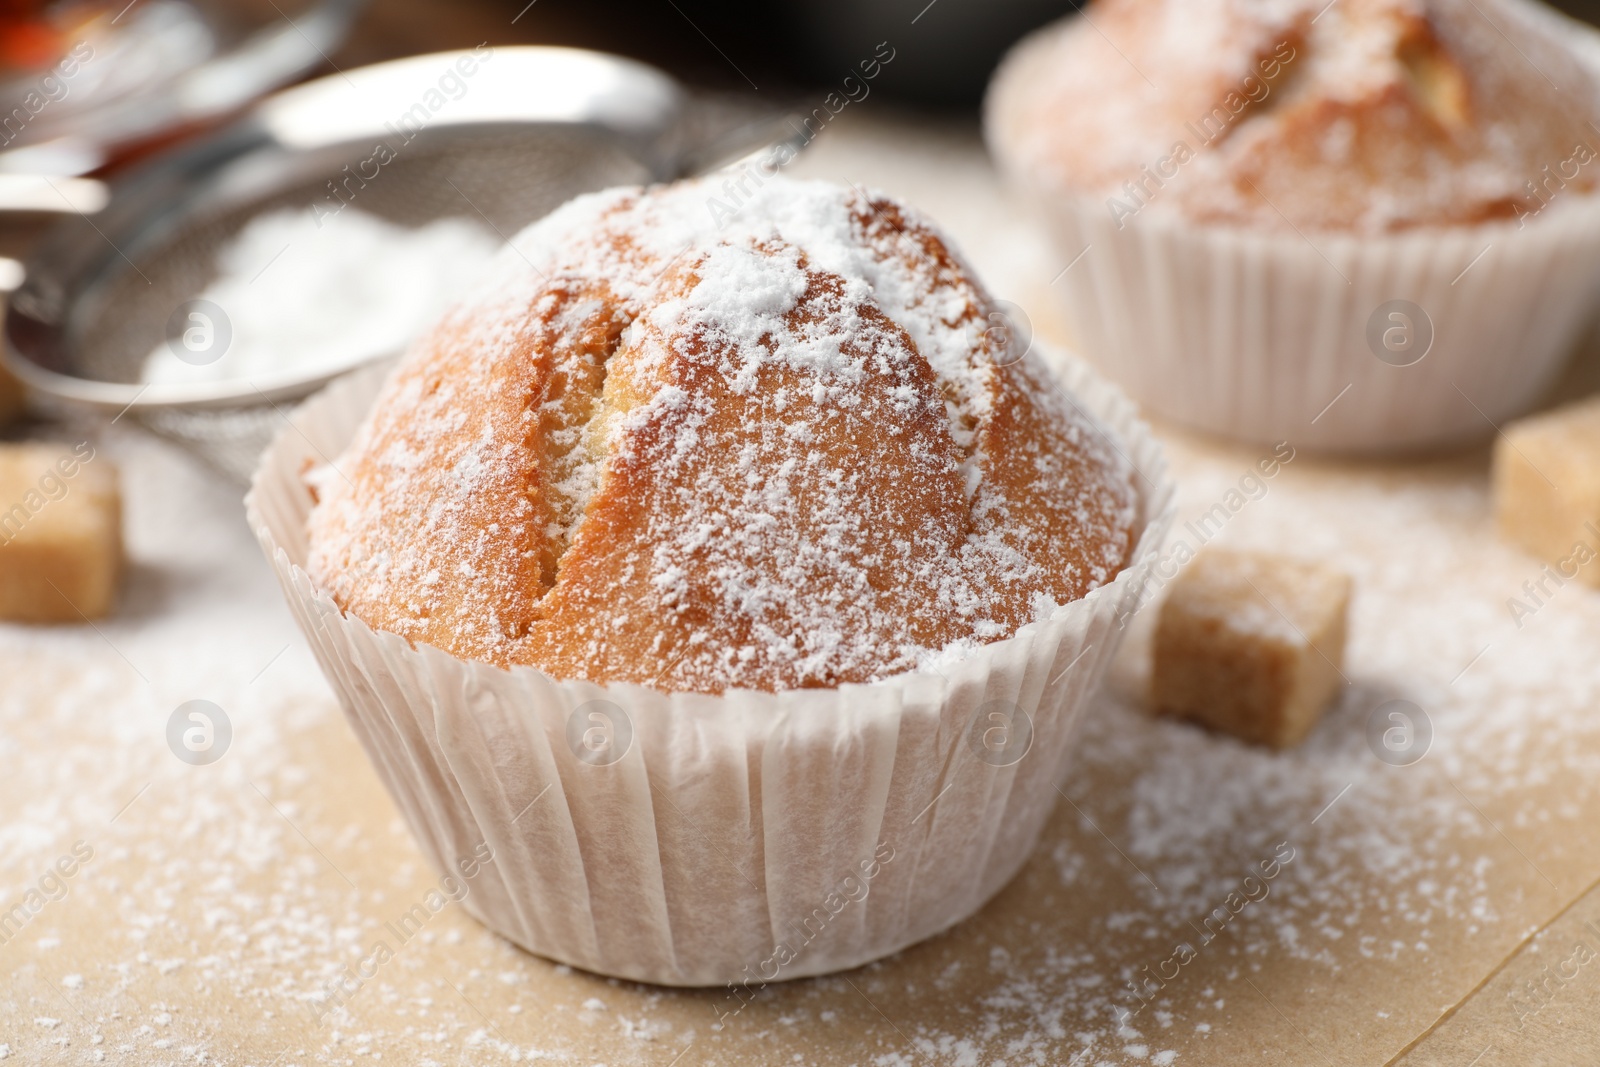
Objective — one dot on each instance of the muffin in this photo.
(787, 455)
(1264, 185)
(745, 529)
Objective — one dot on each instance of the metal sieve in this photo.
(524, 131)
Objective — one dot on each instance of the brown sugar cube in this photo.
(1250, 644)
(60, 533)
(1547, 487)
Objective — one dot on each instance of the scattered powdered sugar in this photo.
(741, 295)
(302, 295)
(921, 296)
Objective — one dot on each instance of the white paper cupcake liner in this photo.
(1264, 337)
(685, 839)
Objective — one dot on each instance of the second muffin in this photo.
(1361, 226)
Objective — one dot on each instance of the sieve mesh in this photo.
(506, 178)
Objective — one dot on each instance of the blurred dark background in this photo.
(782, 51)
(945, 50)
(778, 46)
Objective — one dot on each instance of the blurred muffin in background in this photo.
(1359, 226)
(1364, 115)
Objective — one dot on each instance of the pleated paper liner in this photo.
(1363, 345)
(689, 840)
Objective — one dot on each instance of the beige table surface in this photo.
(219, 900)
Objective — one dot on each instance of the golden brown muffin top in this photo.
(1360, 115)
(665, 446)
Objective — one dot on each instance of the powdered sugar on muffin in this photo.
(782, 451)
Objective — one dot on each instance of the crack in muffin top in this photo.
(793, 450)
